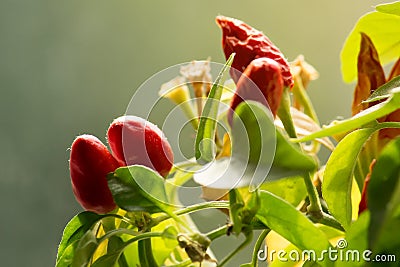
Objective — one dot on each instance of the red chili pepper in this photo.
(134, 140)
(90, 162)
(261, 81)
(249, 44)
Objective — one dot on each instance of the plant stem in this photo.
(257, 246)
(201, 206)
(315, 208)
(214, 234)
(184, 164)
(248, 239)
(284, 114)
(146, 257)
(327, 220)
(188, 111)
(301, 94)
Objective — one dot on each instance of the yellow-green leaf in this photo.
(383, 29)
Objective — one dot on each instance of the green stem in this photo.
(331, 221)
(284, 114)
(362, 118)
(184, 164)
(201, 206)
(187, 109)
(328, 221)
(145, 251)
(301, 94)
(139, 237)
(248, 239)
(315, 208)
(119, 231)
(257, 246)
(214, 234)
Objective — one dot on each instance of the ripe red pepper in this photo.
(261, 81)
(90, 162)
(249, 44)
(134, 140)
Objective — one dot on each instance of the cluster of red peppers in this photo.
(259, 68)
(260, 72)
(132, 140)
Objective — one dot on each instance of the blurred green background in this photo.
(70, 67)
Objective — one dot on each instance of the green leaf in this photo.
(259, 152)
(291, 224)
(385, 91)
(169, 236)
(291, 189)
(74, 230)
(85, 249)
(338, 175)
(115, 249)
(310, 264)
(384, 31)
(204, 145)
(363, 118)
(113, 255)
(66, 257)
(355, 242)
(391, 8)
(138, 188)
(384, 201)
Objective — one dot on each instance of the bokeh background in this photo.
(70, 67)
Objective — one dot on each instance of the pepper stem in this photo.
(284, 114)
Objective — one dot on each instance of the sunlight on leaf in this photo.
(391, 8)
(338, 175)
(291, 224)
(138, 188)
(383, 29)
(204, 146)
(254, 157)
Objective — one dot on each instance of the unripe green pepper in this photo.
(134, 140)
(90, 162)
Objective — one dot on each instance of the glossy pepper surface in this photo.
(134, 140)
(261, 81)
(90, 162)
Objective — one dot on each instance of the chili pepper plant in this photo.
(263, 172)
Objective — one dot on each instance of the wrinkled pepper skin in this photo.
(249, 44)
(134, 140)
(90, 162)
(261, 81)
